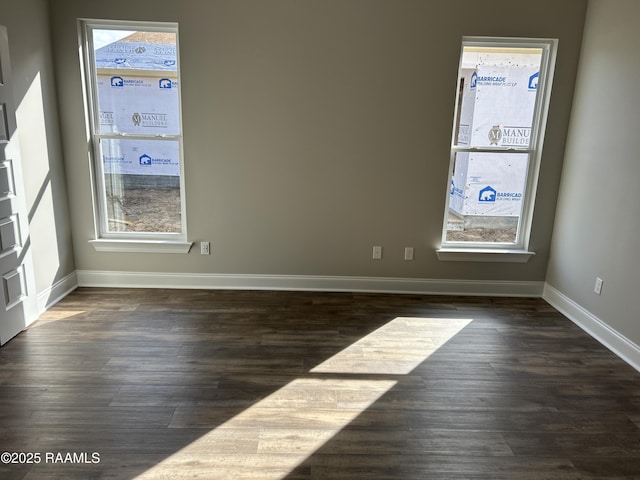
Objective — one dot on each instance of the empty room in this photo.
(319, 239)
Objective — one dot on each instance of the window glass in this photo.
(498, 96)
(137, 83)
(133, 84)
(495, 142)
(136, 200)
(486, 196)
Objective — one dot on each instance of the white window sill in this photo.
(141, 246)
(483, 255)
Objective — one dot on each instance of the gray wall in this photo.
(27, 23)
(598, 219)
(314, 130)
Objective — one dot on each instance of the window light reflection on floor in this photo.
(274, 436)
(55, 315)
(378, 352)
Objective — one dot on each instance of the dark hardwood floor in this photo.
(173, 384)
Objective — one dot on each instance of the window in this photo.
(500, 115)
(132, 84)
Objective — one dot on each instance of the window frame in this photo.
(105, 240)
(519, 250)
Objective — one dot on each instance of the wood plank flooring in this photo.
(182, 384)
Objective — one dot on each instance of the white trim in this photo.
(483, 255)
(141, 246)
(597, 328)
(95, 278)
(56, 292)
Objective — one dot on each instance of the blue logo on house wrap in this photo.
(487, 195)
(533, 81)
(165, 83)
(117, 82)
(145, 159)
(474, 80)
(456, 190)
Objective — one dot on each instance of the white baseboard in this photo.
(56, 292)
(93, 278)
(598, 329)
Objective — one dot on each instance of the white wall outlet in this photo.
(408, 253)
(598, 286)
(377, 253)
(205, 248)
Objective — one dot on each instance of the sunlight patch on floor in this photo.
(271, 438)
(396, 348)
(54, 315)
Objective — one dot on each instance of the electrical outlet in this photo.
(408, 253)
(377, 253)
(205, 248)
(598, 286)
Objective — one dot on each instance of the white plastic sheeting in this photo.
(497, 104)
(488, 184)
(140, 157)
(138, 93)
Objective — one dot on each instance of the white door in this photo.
(18, 306)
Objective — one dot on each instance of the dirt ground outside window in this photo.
(145, 210)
